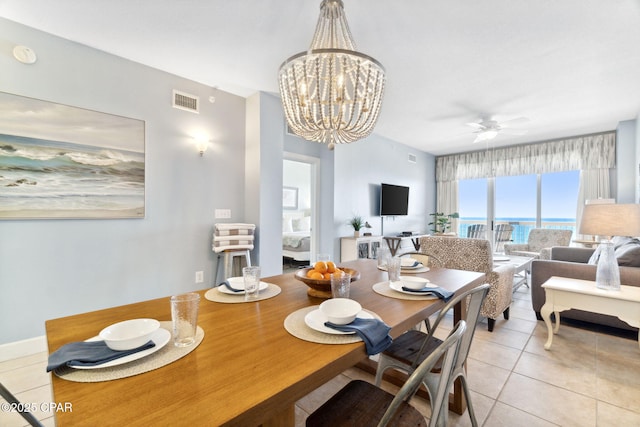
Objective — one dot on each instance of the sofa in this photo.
(574, 263)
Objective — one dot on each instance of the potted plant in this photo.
(442, 223)
(357, 223)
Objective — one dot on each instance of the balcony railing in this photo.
(521, 228)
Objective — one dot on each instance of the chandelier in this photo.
(331, 93)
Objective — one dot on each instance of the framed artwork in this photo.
(290, 197)
(58, 161)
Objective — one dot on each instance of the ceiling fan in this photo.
(488, 129)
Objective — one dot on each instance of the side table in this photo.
(563, 293)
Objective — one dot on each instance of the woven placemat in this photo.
(383, 288)
(296, 326)
(215, 295)
(167, 354)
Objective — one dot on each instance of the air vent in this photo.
(185, 101)
(412, 158)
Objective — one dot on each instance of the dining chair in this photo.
(410, 349)
(361, 403)
(11, 399)
(475, 255)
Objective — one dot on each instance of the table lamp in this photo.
(608, 220)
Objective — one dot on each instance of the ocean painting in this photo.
(58, 161)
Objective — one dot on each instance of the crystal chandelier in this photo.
(331, 93)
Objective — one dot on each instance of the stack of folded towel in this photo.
(236, 236)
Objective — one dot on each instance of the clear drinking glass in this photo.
(340, 285)
(184, 317)
(251, 277)
(393, 268)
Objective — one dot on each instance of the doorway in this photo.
(299, 210)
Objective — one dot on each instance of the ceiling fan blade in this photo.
(516, 121)
(508, 131)
(478, 126)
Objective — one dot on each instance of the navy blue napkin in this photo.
(374, 333)
(89, 353)
(443, 294)
(415, 264)
(227, 285)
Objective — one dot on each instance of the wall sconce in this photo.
(202, 143)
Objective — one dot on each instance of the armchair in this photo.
(474, 255)
(539, 243)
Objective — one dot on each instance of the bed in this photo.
(296, 236)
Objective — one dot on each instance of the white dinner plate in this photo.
(397, 286)
(238, 283)
(501, 258)
(160, 337)
(315, 320)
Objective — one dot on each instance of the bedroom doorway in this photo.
(299, 210)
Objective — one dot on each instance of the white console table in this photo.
(563, 293)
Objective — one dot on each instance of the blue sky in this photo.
(516, 196)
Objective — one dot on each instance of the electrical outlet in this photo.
(199, 276)
(223, 213)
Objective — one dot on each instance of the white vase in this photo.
(356, 233)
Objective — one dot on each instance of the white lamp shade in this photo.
(611, 220)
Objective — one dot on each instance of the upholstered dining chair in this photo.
(413, 347)
(361, 403)
(11, 399)
(539, 243)
(474, 255)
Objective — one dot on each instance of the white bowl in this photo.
(415, 283)
(340, 311)
(129, 334)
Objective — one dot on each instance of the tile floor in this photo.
(587, 379)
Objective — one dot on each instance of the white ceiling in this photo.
(570, 66)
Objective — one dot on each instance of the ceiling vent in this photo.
(412, 158)
(186, 101)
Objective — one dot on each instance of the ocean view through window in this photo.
(525, 202)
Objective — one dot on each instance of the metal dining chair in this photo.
(410, 349)
(11, 399)
(361, 403)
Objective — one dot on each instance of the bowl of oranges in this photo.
(318, 277)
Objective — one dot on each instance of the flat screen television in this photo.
(394, 200)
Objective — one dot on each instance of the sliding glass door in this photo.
(524, 202)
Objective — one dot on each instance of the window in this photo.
(524, 201)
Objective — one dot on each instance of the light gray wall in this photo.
(53, 268)
(359, 170)
(626, 162)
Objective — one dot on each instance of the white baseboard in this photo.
(23, 348)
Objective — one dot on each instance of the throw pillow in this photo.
(287, 226)
(629, 254)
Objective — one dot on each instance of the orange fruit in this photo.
(310, 273)
(327, 276)
(320, 267)
(317, 276)
(331, 267)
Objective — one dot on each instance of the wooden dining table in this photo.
(248, 370)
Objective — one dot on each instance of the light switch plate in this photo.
(223, 213)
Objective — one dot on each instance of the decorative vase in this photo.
(356, 233)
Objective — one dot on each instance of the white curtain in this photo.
(594, 184)
(447, 200)
(594, 155)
